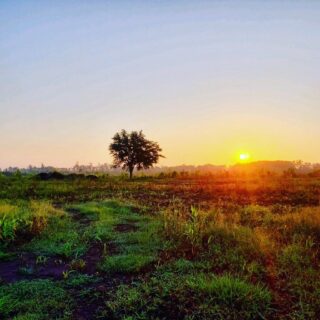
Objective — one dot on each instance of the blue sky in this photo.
(206, 79)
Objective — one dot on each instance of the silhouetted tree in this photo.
(133, 150)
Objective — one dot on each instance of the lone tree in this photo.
(133, 150)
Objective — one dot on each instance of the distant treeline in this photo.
(261, 168)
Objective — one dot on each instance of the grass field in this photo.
(160, 248)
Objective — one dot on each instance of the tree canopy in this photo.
(133, 151)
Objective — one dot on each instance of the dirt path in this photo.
(24, 265)
(87, 307)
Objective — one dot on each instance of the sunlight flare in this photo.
(244, 157)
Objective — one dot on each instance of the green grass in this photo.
(5, 255)
(230, 297)
(301, 280)
(133, 262)
(37, 299)
(198, 235)
(215, 260)
(169, 296)
(63, 237)
(135, 249)
(104, 216)
(183, 266)
(78, 280)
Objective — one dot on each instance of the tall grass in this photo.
(199, 233)
(25, 219)
(257, 243)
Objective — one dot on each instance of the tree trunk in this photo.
(130, 172)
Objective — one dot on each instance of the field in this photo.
(166, 247)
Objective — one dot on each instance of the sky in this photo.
(207, 80)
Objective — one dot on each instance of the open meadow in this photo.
(159, 160)
(181, 247)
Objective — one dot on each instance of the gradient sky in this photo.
(206, 79)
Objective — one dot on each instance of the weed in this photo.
(78, 279)
(41, 260)
(66, 274)
(26, 271)
(77, 264)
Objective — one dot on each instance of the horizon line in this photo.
(30, 166)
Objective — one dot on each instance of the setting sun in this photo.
(244, 157)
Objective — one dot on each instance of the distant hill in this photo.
(278, 166)
(272, 166)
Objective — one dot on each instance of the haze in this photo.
(208, 80)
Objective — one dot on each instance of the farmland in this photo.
(166, 247)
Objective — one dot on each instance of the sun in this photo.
(244, 157)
